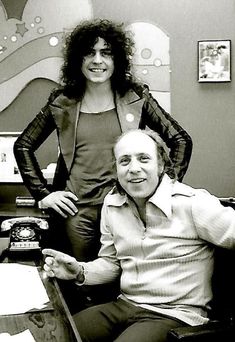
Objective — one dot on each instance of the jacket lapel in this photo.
(129, 109)
(65, 112)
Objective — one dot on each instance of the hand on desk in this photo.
(61, 265)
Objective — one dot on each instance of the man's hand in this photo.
(61, 201)
(61, 265)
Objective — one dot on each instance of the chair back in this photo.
(223, 285)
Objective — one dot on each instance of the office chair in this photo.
(222, 325)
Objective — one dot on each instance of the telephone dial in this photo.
(24, 233)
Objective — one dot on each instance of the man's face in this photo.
(137, 165)
(98, 65)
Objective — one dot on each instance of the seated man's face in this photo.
(137, 165)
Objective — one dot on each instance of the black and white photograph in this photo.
(214, 61)
(117, 170)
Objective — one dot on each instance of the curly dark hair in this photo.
(79, 43)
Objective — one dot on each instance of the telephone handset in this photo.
(25, 232)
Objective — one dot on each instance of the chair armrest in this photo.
(214, 331)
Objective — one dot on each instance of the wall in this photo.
(206, 111)
(32, 36)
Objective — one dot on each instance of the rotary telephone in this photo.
(24, 233)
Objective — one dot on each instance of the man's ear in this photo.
(161, 168)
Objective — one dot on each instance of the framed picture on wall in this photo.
(9, 171)
(214, 61)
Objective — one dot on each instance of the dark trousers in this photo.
(82, 237)
(121, 322)
(83, 231)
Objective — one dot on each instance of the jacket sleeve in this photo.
(25, 146)
(175, 137)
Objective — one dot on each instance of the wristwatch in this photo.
(80, 278)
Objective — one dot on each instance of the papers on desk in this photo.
(25, 336)
(21, 289)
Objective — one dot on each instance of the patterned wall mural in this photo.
(32, 33)
(31, 39)
(152, 59)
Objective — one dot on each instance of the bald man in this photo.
(157, 235)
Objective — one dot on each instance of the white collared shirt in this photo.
(166, 265)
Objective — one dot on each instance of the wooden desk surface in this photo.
(54, 325)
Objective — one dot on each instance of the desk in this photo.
(54, 325)
(10, 210)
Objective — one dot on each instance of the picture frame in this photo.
(214, 61)
(9, 171)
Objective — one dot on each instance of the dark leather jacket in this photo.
(137, 109)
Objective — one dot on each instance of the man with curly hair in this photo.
(97, 100)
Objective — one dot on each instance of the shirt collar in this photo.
(167, 189)
(162, 198)
(115, 198)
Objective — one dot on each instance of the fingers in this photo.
(49, 261)
(65, 207)
(49, 272)
(62, 202)
(50, 264)
(59, 211)
(54, 257)
(71, 196)
(60, 265)
(50, 252)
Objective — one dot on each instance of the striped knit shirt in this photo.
(165, 265)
